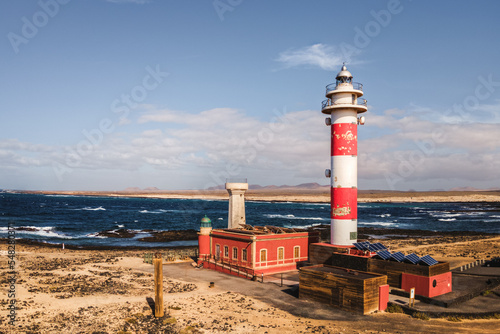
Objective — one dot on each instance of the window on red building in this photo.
(226, 251)
(243, 254)
(296, 252)
(263, 255)
(235, 253)
(281, 252)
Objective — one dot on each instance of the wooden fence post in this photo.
(158, 265)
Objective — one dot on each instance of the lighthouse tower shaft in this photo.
(343, 104)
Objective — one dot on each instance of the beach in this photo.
(296, 194)
(109, 291)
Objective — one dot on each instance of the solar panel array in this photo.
(376, 247)
(397, 256)
(412, 258)
(366, 246)
(384, 254)
(428, 260)
(362, 245)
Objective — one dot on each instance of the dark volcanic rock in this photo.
(119, 233)
(176, 235)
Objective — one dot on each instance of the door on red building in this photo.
(217, 252)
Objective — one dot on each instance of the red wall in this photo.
(203, 245)
(383, 297)
(270, 242)
(424, 286)
(240, 244)
(288, 241)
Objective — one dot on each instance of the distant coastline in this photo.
(293, 194)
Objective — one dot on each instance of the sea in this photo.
(77, 220)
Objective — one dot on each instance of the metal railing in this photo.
(236, 267)
(333, 86)
(329, 103)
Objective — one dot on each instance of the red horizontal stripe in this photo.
(344, 139)
(344, 203)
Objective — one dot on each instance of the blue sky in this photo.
(104, 95)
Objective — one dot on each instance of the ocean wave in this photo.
(154, 211)
(120, 225)
(495, 216)
(293, 217)
(384, 215)
(60, 195)
(445, 214)
(447, 219)
(94, 235)
(302, 226)
(44, 231)
(88, 208)
(412, 218)
(379, 223)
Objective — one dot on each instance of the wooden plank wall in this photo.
(394, 270)
(349, 261)
(319, 254)
(347, 292)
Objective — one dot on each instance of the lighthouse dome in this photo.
(344, 73)
(206, 222)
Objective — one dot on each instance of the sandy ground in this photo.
(317, 195)
(84, 291)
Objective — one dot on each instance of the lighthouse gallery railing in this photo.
(328, 103)
(333, 86)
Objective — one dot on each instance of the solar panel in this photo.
(362, 245)
(412, 258)
(384, 254)
(380, 246)
(428, 260)
(358, 245)
(373, 248)
(397, 256)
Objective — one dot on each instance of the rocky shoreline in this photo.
(364, 233)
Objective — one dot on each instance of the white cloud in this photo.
(318, 55)
(401, 149)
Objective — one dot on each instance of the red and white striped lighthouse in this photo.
(343, 104)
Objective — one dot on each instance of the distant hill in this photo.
(473, 189)
(137, 189)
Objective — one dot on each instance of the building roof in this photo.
(262, 230)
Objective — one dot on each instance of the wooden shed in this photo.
(348, 289)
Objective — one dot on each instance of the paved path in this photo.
(284, 298)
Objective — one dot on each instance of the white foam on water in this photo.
(45, 231)
(94, 235)
(88, 208)
(302, 226)
(447, 219)
(147, 211)
(378, 223)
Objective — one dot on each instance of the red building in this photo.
(252, 251)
